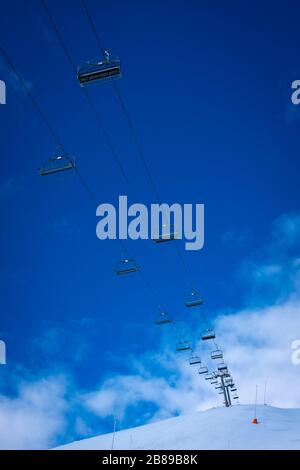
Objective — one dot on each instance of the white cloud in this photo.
(181, 396)
(256, 343)
(257, 348)
(35, 417)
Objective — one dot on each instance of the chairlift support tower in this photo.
(225, 387)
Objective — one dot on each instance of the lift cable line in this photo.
(101, 126)
(124, 108)
(162, 317)
(116, 157)
(182, 345)
(61, 146)
(46, 122)
(135, 139)
(95, 112)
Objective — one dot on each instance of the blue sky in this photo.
(208, 87)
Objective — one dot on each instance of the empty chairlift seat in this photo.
(193, 300)
(229, 381)
(126, 266)
(222, 366)
(217, 354)
(214, 382)
(183, 346)
(58, 163)
(162, 319)
(194, 360)
(95, 71)
(166, 234)
(209, 376)
(208, 334)
(202, 370)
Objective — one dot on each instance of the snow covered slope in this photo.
(217, 428)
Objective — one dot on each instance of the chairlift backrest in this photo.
(126, 266)
(162, 319)
(193, 300)
(194, 360)
(217, 354)
(202, 370)
(183, 346)
(95, 71)
(222, 366)
(57, 164)
(208, 376)
(166, 234)
(208, 334)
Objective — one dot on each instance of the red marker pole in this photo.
(255, 421)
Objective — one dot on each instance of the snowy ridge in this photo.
(217, 428)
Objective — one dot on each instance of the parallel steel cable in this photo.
(136, 141)
(124, 107)
(114, 153)
(59, 144)
(99, 121)
(54, 135)
(87, 11)
(146, 281)
(30, 95)
(95, 112)
(45, 120)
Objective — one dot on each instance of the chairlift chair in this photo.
(209, 376)
(233, 389)
(217, 354)
(202, 370)
(229, 381)
(235, 397)
(194, 360)
(222, 366)
(126, 266)
(183, 346)
(208, 334)
(58, 163)
(167, 234)
(95, 71)
(193, 300)
(223, 373)
(214, 382)
(162, 319)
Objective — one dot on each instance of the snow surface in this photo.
(217, 428)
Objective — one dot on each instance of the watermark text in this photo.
(2, 92)
(2, 352)
(160, 222)
(295, 358)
